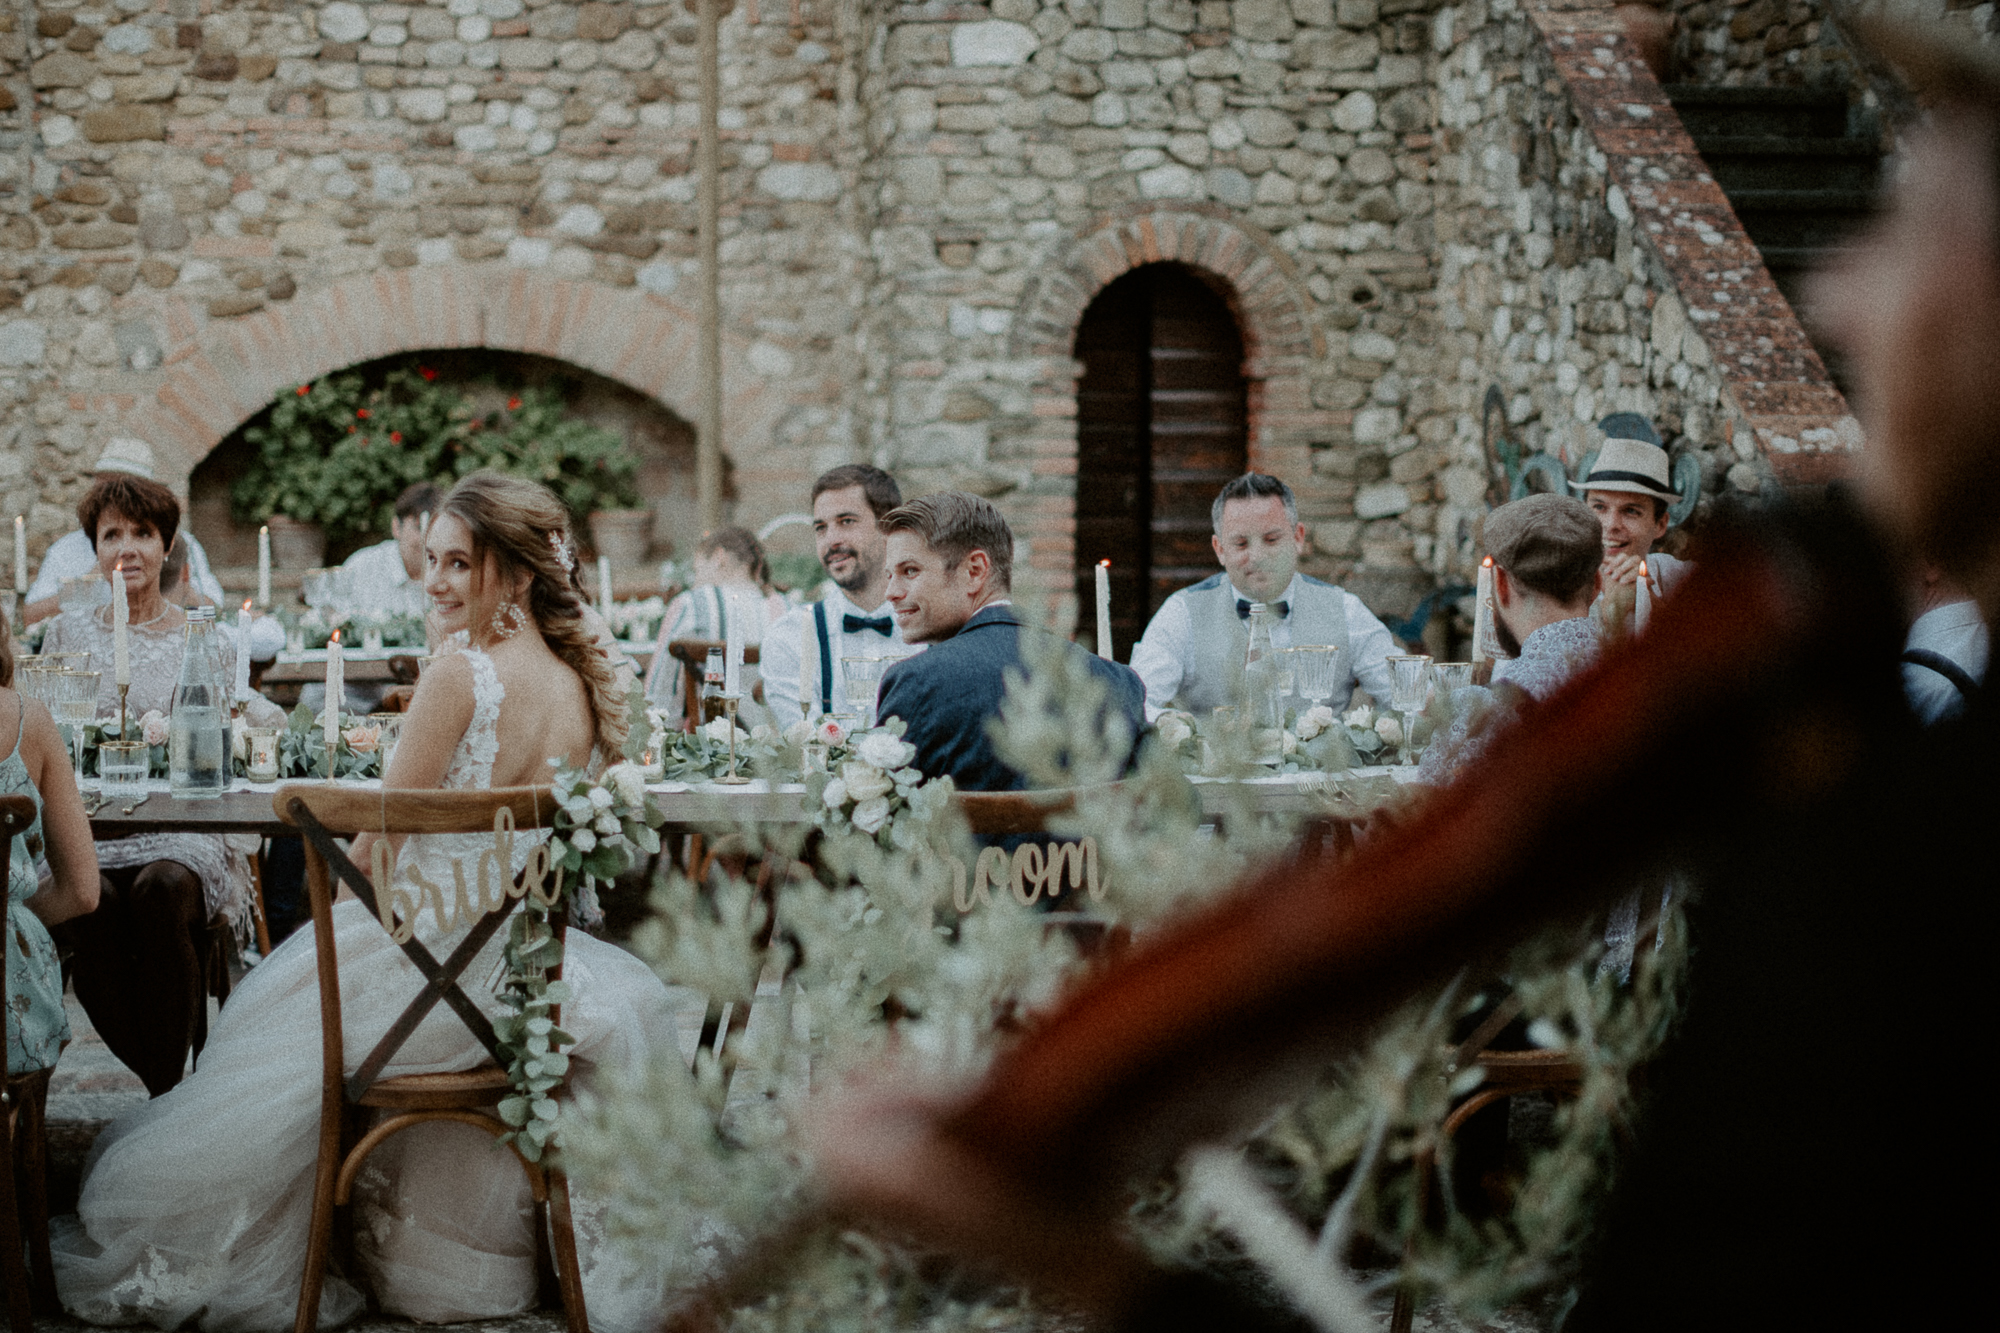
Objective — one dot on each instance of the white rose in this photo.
(153, 727)
(1288, 743)
(764, 734)
(239, 739)
(871, 815)
(885, 751)
(629, 781)
(718, 731)
(608, 825)
(1174, 728)
(1390, 730)
(1359, 716)
(799, 732)
(865, 781)
(583, 840)
(835, 794)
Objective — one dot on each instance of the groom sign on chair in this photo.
(951, 565)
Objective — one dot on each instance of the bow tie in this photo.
(1243, 609)
(883, 625)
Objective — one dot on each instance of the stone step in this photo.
(1707, 109)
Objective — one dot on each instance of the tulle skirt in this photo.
(196, 1206)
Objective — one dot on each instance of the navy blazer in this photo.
(947, 694)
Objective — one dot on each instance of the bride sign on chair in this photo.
(470, 1097)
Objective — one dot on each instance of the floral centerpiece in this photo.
(601, 826)
(865, 781)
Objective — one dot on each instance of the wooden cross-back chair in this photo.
(692, 654)
(23, 1144)
(321, 813)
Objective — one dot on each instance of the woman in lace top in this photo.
(137, 958)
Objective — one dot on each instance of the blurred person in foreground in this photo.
(1785, 1168)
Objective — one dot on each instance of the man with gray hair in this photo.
(1191, 657)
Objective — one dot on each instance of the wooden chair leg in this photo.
(569, 1274)
(14, 1272)
(33, 1144)
(319, 1238)
(257, 902)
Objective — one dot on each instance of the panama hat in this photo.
(125, 454)
(1633, 466)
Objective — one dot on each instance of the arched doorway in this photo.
(1161, 426)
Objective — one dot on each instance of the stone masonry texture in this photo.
(205, 202)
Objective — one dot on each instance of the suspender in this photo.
(1944, 666)
(825, 658)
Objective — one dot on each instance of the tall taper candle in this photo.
(1482, 612)
(1642, 600)
(809, 668)
(264, 567)
(604, 586)
(336, 690)
(242, 690)
(732, 657)
(1104, 609)
(21, 554)
(121, 629)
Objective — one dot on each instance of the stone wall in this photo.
(1406, 202)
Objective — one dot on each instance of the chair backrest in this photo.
(321, 813)
(1001, 814)
(692, 654)
(17, 815)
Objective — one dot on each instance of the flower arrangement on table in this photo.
(302, 747)
(865, 781)
(601, 826)
(1314, 740)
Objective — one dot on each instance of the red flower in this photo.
(361, 412)
(352, 429)
(304, 389)
(395, 437)
(513, 404)
(427, 372)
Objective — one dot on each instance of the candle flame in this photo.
(1487, 562)
(1104, 564)
(246, 602)
(335, 638)
(118, 568)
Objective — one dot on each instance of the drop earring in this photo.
(508, 620)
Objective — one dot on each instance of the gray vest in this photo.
(1213, 674)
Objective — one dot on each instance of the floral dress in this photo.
(37, 1027)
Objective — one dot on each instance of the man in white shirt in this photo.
(72, 556)
(1944, 659)
(1191, 657)
(854, 619)
(388, 577)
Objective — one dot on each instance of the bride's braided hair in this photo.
(526, 529)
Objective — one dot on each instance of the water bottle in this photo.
(197, 729)
(1262, 709)
(712, 676)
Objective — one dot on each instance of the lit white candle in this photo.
(121, 629)
(264, 567)
(604, 585)
(336, 688)
(1642, 601)
(808, 663)
(21, 554)
(732, 657)
(1104, 609)
(243, 653)
(1482, 612)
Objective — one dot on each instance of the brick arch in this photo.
(221, 374)
(1281, 331)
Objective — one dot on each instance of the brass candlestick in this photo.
(732, 778)
(123, 690)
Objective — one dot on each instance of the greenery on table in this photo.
(338, 451)
(880, 959)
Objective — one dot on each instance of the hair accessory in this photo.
(508, 620)
(565, 553)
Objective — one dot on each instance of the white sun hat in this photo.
(126, 454)
(1632, 466)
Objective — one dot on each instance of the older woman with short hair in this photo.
(137, 964)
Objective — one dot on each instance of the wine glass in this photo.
(1451, 676)
(861, 678)
(1409, 691)
(1313, 672)
(72, 698)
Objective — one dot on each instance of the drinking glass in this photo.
(862, 679)
(121, 767)
(1451, 676)
(1408, 693)
(1313, 668)
(388, 730)
(73, 701)
(263, 764)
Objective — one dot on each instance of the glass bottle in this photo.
(712, 675)
(1261, 704)
(197, 729)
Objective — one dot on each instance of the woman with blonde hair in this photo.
(196, 1207)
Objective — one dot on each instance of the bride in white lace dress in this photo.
(195, 1207)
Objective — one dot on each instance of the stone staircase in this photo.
(1797, 172)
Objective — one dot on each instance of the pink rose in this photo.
(361, 740)
(831, 732)
(153, 727)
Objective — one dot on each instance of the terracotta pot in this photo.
(622, 535)
(296, 545)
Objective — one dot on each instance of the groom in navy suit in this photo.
(951, 564)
